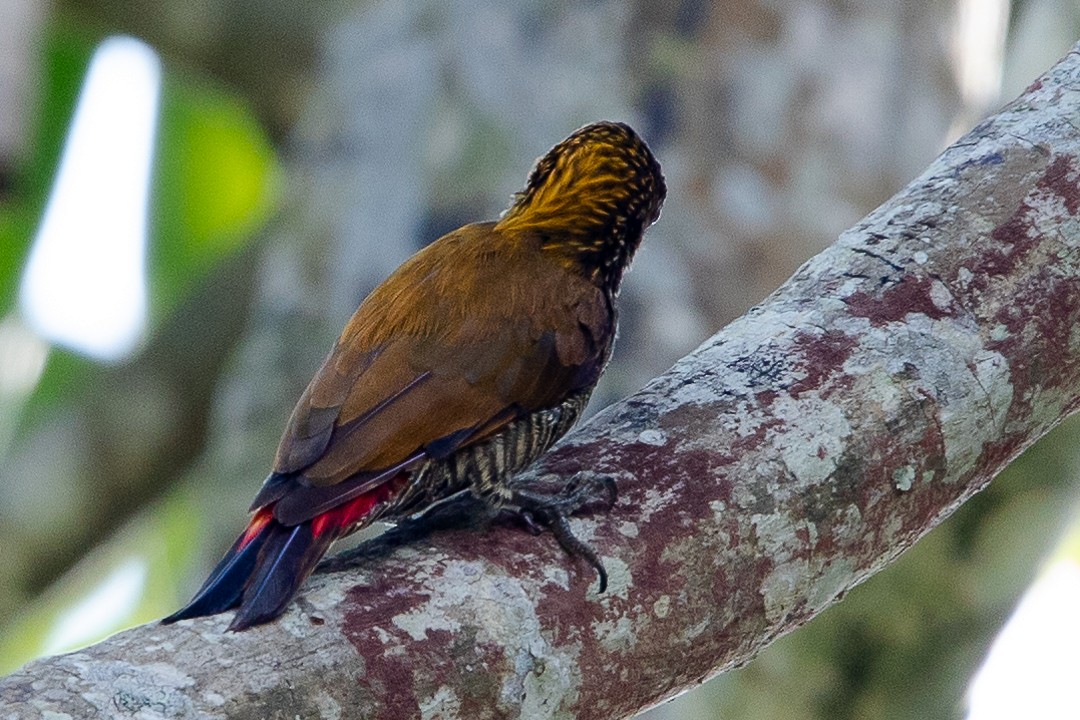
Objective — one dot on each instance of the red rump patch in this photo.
(348, 514)
(342, 517)
(256, 525)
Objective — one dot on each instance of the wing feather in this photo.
(430, 363)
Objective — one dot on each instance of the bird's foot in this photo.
(539, 510)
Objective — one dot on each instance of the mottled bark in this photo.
(789, 457)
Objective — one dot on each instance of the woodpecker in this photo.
(454, 374)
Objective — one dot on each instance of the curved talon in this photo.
(530, 522)
(560, 527)
(553, 510)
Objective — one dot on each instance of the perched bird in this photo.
(458, 371)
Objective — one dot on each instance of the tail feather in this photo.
(270, 561)
(222, 590)
(288, 557)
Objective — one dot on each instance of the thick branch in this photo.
(788, 458)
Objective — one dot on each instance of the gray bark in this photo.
(788, 458)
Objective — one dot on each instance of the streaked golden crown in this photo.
(592, 196)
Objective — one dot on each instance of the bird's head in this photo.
(591, 198)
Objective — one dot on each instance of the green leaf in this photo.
(215, 180)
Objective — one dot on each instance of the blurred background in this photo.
(194, 196)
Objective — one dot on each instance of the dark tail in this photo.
(260, 573)
(289, 556)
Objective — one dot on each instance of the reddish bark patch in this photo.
(745, 444)
(666, 580)
(1016, 237)
(719, 595)
(375, 604)
(997, 455)
(400, 681)
(584, 623)
(865, 477)
(927, 497)
(700, 470)
(766, 397)
(368, 610)
(910, 295)
(820, 356)
(1061, 304)
(1060, 178)
(1013, 239)
(1037, 345)
(1041, 313)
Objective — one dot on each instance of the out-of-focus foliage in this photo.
(63, 63)
(215, 176)
(214, 180)
(128, 580)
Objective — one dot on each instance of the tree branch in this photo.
(788, 458)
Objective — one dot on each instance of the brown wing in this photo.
(463, 339)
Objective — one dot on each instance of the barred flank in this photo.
(486, 467)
